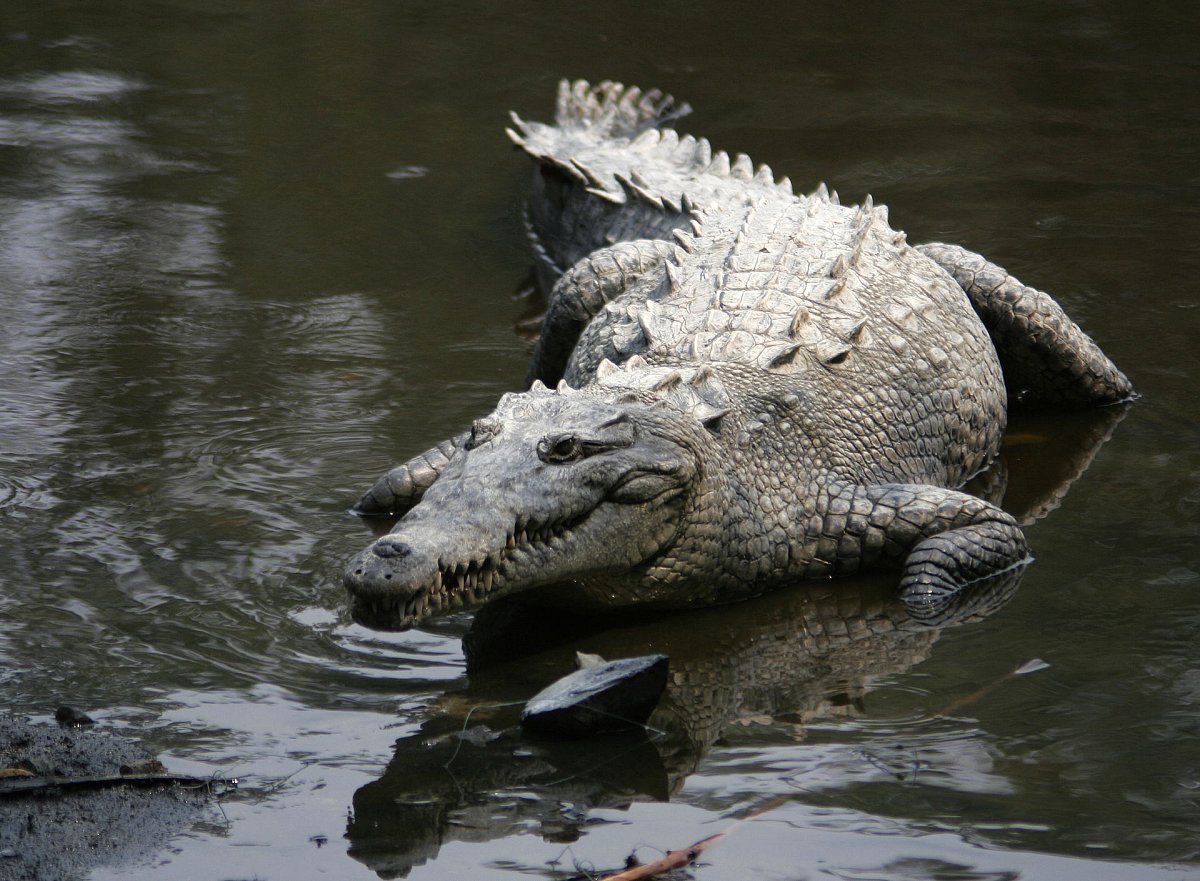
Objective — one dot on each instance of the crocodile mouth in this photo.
(458, 584)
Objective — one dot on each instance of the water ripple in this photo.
(23, 491)
(68, 87)
(413, 656)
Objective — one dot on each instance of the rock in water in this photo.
(69, 717)
(609, 696)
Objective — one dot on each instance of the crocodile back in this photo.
(815, 322)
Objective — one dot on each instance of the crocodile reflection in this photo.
(784, 659)
(803, 653)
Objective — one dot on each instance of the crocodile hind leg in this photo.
(402, 487)
(582, 291)
(950, 542)
(1045, 356)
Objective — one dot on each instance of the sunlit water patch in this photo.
(67, 87)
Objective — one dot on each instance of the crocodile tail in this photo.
(618, 111)
(606, 111)
(604, 140)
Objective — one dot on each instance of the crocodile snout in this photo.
(380, 568)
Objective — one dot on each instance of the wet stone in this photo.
(612, 696)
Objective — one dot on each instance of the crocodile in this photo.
(736, 386)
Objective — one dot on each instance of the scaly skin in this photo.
(756, 387)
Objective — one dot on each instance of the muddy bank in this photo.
(94, 818)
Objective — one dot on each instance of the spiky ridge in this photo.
(613, 107)
(611, 110)
(697, 391)
(772, 285)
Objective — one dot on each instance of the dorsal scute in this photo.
(759, 285)
(632, 136)
(697, 391)
(637, 373)
(753, 275)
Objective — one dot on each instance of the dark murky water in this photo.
(251, 253)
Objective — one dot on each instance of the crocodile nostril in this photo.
(390, 547)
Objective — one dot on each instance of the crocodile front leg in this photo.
(949, 541)
(1045, 356)
(402, 487)
(582, 292)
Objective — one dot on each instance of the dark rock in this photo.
(71, 717)
(607, 696)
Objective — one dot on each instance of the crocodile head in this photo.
(552, 488)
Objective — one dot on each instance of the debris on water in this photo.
(479, 735)
(1032, 666)
(601, 696)
(405, 172)
(71, 717)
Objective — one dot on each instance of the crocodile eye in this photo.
(559, 448)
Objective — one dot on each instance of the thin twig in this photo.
(35, 785)
(675, 859)
(1025, 669)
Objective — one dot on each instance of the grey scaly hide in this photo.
(753, 387)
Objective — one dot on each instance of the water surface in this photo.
(253, 253)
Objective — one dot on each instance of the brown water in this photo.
(252, 253)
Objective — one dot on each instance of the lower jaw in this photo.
(381, 615)
(391, 615)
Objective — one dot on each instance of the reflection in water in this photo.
(1053, 451)
(156, 426)
(782, 660)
